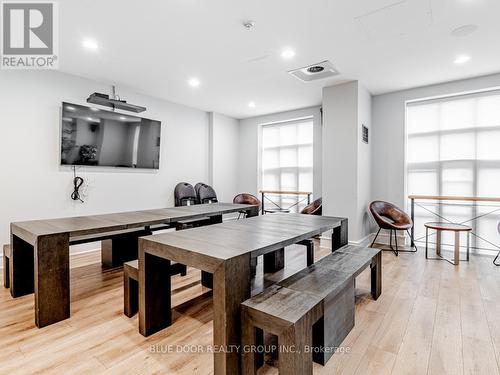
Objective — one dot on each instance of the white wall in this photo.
(223, 161)
(346, 159)
(34, 186)
(388, 133)
(249, 144)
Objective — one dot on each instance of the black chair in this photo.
(184, 194)
(205, 193)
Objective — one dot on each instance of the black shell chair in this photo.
(184, 194)
(205, 193)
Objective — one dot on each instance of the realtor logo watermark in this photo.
(30, 38)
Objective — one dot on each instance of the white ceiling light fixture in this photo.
(194, 82)
(464, 30)
(462, 59)
(321, 70)
(287, 53)
(90, 44)
(123, 118)
(251, 105)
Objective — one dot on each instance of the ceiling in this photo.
(155, 47)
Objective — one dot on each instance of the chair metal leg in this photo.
(373, 242)
(495, 260)
(396, 250)
(396, 240)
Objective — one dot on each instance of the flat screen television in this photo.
(96, 137)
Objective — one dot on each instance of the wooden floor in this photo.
(432, 318)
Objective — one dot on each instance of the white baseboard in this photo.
(326, 241)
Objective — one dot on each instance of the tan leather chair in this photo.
(314, 208)
(390, 217)
(246, 198)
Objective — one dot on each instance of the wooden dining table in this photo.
(39, 260)
(225, 250)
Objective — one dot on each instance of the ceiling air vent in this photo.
(324, 69)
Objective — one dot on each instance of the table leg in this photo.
(426, 242)
(412, 244)
(274, 261)
(457, 248)
(121, 249)
(154, 292)
(231, 288)
(438, 243)
(468, 245)
(21, 267)
(217, 219)
(207, 279)
(376, 275)
(254, 211)
(340, 235)
(52, 289)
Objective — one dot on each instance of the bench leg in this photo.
(274, 261)
(251, 338)
(130, 296)
(335, 325)
(292, 357)
(376, 275)
(6, 275)
(183, 270)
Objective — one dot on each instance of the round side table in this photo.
(448, 227)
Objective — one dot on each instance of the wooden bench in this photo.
(287, 314)
(329, 283)
(6, 265)
(131, 284)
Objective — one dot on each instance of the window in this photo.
(287, 159)
(454, 149)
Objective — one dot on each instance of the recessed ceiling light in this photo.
(251, 104)
(70, 108)
(462, 59)
(287, 53)
(123, 118)
(464, 30)
(194, 82)
(90, 44)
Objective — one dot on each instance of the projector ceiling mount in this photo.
(115, 102)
